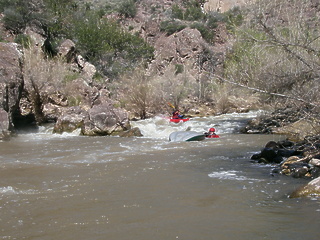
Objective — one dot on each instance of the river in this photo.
(61, 187)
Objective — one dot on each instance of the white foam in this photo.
(230, 175)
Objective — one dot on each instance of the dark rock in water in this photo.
(269, 154)
(315, 172)
(256, 156)
(272, 144)
(285, 152)
(300, 172)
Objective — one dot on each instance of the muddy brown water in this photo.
(75, 187)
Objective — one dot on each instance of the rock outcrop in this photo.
(11, 86)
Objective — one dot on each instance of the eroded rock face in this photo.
(11, 85)
(178, 48)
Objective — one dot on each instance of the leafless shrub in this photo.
(142, 94)
(277, 50)
(42, 77)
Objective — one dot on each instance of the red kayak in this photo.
(177, 120)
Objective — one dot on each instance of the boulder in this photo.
(311, 189)
(70, 120)
(100, 120)
(11, 85)
(67, 50)
(105, 119)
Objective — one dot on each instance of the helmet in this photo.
(212, 130)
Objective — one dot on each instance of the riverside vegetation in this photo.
(76, 62)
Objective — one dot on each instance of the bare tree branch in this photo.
(263, 91)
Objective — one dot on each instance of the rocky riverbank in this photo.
(299, 155)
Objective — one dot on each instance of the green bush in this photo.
(13, 20)
(18, 13)
(128, 9)
(194, 13)
(177, 12)
(206, 33)
(171, 27)
(234, 18)
(179, 68)
(24, 40)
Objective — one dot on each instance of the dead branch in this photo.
(264, 91)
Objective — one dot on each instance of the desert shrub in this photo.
(212, 20)
(179, 68)
(127, 9)
(42, 77)
(18, 13)
(74, 100)
(278, 57)
(104, 43)
(177, 12)
(24, 40)
(171, 27)
(206, 32)
(190, 12)
(13, 20)
(172, 87)
(135, 92)
(234, 18)
(193, 13)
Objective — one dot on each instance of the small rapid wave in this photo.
(9, 190)
(231, 175)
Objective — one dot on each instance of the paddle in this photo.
(171, 105)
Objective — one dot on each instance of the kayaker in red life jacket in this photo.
(211, 133)
(176, 115)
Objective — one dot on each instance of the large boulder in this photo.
(11, 85)
(105, 119)
(102, 119)
(310, 189)
(71, 119)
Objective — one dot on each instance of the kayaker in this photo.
(176, 115)
(211, 133)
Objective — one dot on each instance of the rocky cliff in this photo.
(11, 86)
